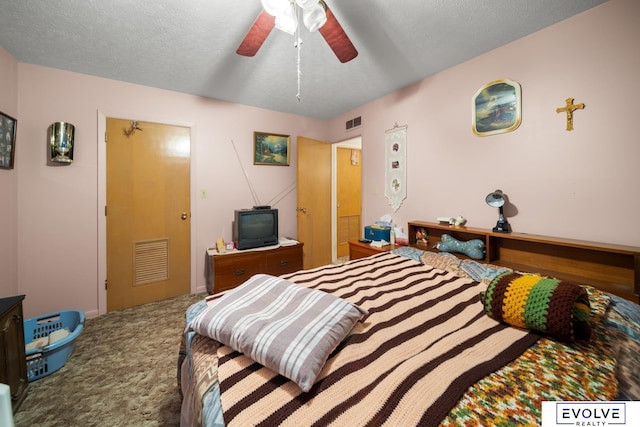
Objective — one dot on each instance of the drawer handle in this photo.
(284, 263)
(240, 272)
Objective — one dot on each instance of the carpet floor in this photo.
(122, 372)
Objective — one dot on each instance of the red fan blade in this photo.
(336, 38)
(257, 34)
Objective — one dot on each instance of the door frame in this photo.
(102, 196)
(353, 142)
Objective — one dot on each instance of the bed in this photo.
(428, 347)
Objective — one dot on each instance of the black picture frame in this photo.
(8, 127)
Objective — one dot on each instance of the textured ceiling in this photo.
(189, 46)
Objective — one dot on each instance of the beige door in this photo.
(314, 201)
(148, 218)
(349, 198)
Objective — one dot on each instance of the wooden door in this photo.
(349, 198)
(148, 218)
(314, 201)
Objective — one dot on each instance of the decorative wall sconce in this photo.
(61, 142)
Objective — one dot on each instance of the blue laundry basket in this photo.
(42, 361)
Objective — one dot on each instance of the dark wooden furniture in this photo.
(361, 250)
(13, 364)
(608, 267)
(228, 270)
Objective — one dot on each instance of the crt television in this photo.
(254, 228)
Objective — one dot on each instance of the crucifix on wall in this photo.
(569, 108)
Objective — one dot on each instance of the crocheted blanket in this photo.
(425, 341)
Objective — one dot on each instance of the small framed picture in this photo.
(496, 108)
(271, 149)
(8, 126)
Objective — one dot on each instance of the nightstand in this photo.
(361, 250)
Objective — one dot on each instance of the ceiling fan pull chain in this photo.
(299, 72)
(299, 48)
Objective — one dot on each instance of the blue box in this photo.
(377, 232)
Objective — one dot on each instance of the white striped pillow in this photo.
(281, 325)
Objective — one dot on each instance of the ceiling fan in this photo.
(330, 28)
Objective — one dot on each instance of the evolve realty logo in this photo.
(590, 414)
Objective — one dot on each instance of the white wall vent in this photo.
(151, 261)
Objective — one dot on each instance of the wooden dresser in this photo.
(13, 364)
(228, 270)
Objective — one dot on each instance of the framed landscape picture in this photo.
(271, 149)
(8, 126)
(496, 108)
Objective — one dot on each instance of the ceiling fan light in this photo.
(314, 18)
(286, 20)
(274, 7)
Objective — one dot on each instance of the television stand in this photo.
(228, 270)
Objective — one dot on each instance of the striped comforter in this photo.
(425, 341)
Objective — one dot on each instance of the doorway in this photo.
(317, 211)
(314, 201)
(346, 196)
(147, 212)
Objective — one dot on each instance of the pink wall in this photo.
(578, 184)
(562, 183)
(60, 215)
(8, 182)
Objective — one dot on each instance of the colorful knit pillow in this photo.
(559, 309)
